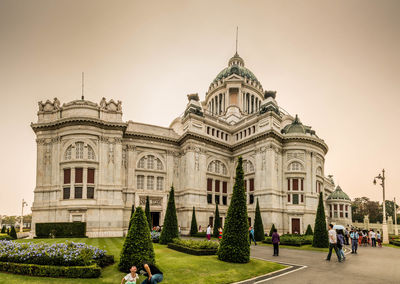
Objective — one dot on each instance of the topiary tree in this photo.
(130, 220)
(170, 226)
(138, 247)
(320, 239)
(309, 230)
(217, 222)
(258, 225)
(13, 233)
(193, 225)
(3, 230)
(8, 231)
(234, 246)
(147, 212)
(272, 230)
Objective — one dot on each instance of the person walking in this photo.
(332, 243)
(208, 232)
(340, 244)
(220, 234)
(378, 237)
(275, 242)
(373, 239)
(346, 237)
(354, 240)
(251, 235)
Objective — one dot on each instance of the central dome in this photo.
(236, 66)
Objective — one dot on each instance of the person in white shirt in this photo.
(373, 238)
(332, 243)
(130, 278)
(208, 232)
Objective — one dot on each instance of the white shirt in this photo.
(131, 280)
(372, 235)
(208, 231)
(332, 236)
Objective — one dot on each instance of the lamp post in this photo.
(385, 235)
(21, 227)
(396, 230)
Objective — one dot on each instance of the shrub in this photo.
(272, 230)
(200, 235)
(61, 230)
(147, 212)
(13, 233)
(130, 220)
(170, 227)
(194, 247)
(309, 230)
(5, 237)
(394, 241)
(292, 240)
(234, 246)
(193, 225)
(320, 233)
(138, 247)
(59, 254)
(258, 225)
(92, 271)
(217, 222)
(3, 230)
(155, 237)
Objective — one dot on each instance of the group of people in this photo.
(152, 273)
(209, 232)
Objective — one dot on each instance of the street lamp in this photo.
(21, 227)
(385, 235)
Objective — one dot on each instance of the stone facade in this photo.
(92, 166)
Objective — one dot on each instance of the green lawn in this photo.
(177, 267)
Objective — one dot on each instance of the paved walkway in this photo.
(370, 265)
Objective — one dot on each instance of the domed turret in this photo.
(338, 194)
(295, 127)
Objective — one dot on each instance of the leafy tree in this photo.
(138, 247)
(217, 222)
(147, 212)
(272, 230)
(234, 246)
(309, 230)
(13, 233)
(3, 230)
(193, 225)
(320, 239)
(170, 226)
(390, 209)
(130, 220)
(258, 225)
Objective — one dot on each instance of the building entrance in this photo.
(155, 219)
(295, 226)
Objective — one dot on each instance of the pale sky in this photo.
(334, 63)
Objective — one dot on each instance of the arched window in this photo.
(159, 165)
(79, 150)
(217, 167)
(141, 163)
(248, 166)
(68, 153)
(295, 166)
(224, 171)
(319, 171)
(90, 153)
(150, 162)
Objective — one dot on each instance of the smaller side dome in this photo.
(338, 194)
(295, 127)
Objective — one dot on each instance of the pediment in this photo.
(234, 77)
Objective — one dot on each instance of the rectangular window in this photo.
(252, 184)
(150, 182)
(288, 184)
(224, 187)
(249, 220)
(335, 214)
(66, 193)
(209, 184)
(216, 185)
(341, 207)
(90, 193)
(295, 184)
(301, 198)
(209, 198)
(160, 183)
(78, 192)
(150, 162)
(140, 182)
(251, 199)
(67, 176)
(330, 210)
(302, 188)
(347, 215)
(335, 207)
(90, 176)
(216, 199)
(288, 198)
(347, 207)
(295, 199)
(224, 200)
(78, 175)
(341, 214)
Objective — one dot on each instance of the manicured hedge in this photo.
(200, 235)
(292, 240)
(61, 230)
(191, 250)
(194, 247)
(105, 260)
(92, 271)
(5, 237)
(395, 242)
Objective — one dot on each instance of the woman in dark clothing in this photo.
(275, 241)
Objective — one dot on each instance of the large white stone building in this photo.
(92, 166)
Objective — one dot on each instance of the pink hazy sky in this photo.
(334, 63)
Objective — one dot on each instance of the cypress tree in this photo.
(272, 230)
(3, 230)
(234, 246)
(138, 247)
(130, 220)
(13, 233)
(147, 211)
(170, 226)
(193, 225)
(309, 230)
(217, 222)
(258, 225)
(320, 233)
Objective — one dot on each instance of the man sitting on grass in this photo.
(153, 274)
(131, 277)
